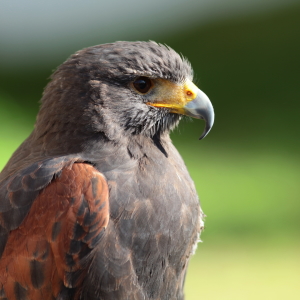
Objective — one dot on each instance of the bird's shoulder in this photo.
(53, 214)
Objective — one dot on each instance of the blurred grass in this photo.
(246, 193)
(230, 270)
(246, 171)
(15, 126)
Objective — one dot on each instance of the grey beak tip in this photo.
(202, 136)
(205, 132)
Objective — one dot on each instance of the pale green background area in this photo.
(247, 169)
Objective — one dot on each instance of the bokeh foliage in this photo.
(246, 171)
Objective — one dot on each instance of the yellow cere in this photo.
(171, 95)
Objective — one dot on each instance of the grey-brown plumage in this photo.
(97, 203)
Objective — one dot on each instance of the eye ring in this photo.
(142, 84)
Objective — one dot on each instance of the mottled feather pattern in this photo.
(57, 237)
(163, 218)
(18, 192)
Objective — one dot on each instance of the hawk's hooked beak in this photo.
(187, 100)
(201, 108)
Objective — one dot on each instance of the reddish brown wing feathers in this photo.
(53, 247)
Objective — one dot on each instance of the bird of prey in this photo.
(97, 203)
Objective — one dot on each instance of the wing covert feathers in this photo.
(46, 257)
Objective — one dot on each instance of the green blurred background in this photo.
(247, 60)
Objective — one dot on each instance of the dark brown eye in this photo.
(142, 84)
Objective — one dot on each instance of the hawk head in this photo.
(120, 89)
